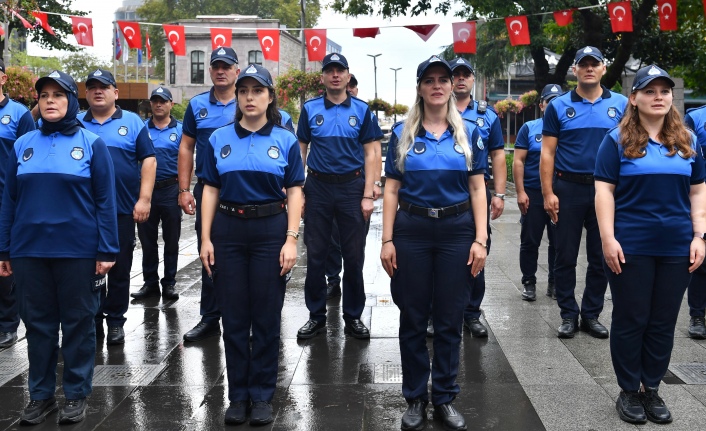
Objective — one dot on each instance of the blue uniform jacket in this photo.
(530, 138)
(15, 121)
(166, 147)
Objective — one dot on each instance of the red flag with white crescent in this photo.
(423, 31)
(620, 14)
(82, 28)
(131, 31)
(518, 30)
(315, 44)
(667, 14)
(176, 38)
(221, 37)
(43, 20)
(269, 43)
(564, 17)
(464, 37)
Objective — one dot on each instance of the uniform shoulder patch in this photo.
(225, 151)
(28, 153)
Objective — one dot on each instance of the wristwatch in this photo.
(701, 235)
(499, 195)
(378, 183)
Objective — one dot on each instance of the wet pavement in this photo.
(520, 378)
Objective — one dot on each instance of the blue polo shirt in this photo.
(286, 120)
(488, 124)
(337, 134)
(252, 168)
(652, 203)
(59, 199)
(204, 115)
(695, 119)
(15, 121)
(435, 173)
(129, 143)
(530, 138)
(580, 126)
(166, 147)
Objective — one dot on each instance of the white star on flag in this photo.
(517, 33)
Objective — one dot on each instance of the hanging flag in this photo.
(118, 46)
(221, 37)
(620, 14)
(139, 57)
(315, 44)
(148, 46)
(43, 20)
(367, 32)
(269, 43)
(24, 22)
(126, 54)
(667, 15)
(564, 17)
(518, 30)
(423, 31)
(177, 39)
(464, 37)
(131, 31)
(83, 30)
(2, 30)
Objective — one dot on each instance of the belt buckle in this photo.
(433, 212)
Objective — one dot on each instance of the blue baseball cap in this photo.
(63, 79)
(434, 60)
(225, 54)
(334, 58)
(103, 76)
(550, 91)
(258, 73)
(588, 51)
(460, 62)
(648, 74)
(162, 92)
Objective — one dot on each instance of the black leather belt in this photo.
(251, 211)
(435, 212)
(199, 181)
(335, 179)
(575, 178)
(165, 183)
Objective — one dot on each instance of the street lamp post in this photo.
(393, 107)
(375, 70)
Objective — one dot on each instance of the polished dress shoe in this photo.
(447, 414)
(569, 327)
(261, 413)
(311, 329)
(237, 412)
(116, 335)
(655, 409)
(551, 290)
(147, 291)
(73, 411)
(37, 411)
(430, 328)
(203, 330)
(697, 328)
(594, 328)
(333, 290)
(475, 327)
(529, 292)
(7, 339)
(415, 417)
(356, 329)
(169, 292)
(629, 407)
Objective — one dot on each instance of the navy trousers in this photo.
(115, 297)
(696, 296)
(210, 313)
(53, 294)
(477, 292)
(9, 316)
(577, 211)
(431, 267)
(334, 261)
(533, 224)
(251, 294)
(646, 300)
(165, 208)
(324, 203)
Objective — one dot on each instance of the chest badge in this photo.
(77, 153)
(480, 122)
(419, 147)
(352, 120)
(538, 138)
(203, 113)
(173, 137)
(319, 120)
(273, 152)
(122, 131)
(29, 152)
(225, 151)
(479, 143)
(612, 112)
(458, 148)
(5, 119)
(570, 112)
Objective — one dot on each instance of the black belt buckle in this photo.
(434, 212)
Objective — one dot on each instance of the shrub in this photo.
(20, 85)
(508, 105)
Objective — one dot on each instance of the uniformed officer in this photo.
(58, 225)
(574, 126)
(433, 246)
(165, 132)
(345, 153)
(649, 181)
(250, 238)
(525, 171)
(695, 119)
(206, 112)
(15, 121)
(488, 124)
(134, 161)
(286, 120)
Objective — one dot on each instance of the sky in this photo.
(400, 47)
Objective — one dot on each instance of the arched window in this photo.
(255, 57)
(197, 67)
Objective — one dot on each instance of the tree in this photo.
(80, 64)
(40, 66)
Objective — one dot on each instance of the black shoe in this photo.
(415, 417)
(116, 335)
(569, 328)
(261, 413)
(475, 327)
(629, 407)
(203, 330)
(655, 409)
(451, 419)
(697, 328)
(529, 292)
(169, 292)
(311, 329)
(7, 339)
(430, 328)
(147, 291)
(333, 291)
(594, 328)
(551, 290)
(73, 411)
(356, 329)
(37, 411)
(237, 412)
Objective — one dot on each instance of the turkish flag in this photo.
(315, 44)
(423, 31)
(42, 19)
(464, 37)
(221, 37)
(564, 17)
(369, 32)
(518, 30)
(269, 43)
(620, 14)
(177, 39)
(83, 30)
(24, 22)
(131, 31)
(667, 14)
(148, 46)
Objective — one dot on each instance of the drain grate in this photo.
(186, 303)
(126, 375)
(387, 373)
(384, 301)
(692, 373)
(11, 368)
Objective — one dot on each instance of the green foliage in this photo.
(80, 64)
(20, 85)
(509, 158)
(38, 65)
(398, 109)
(291, 85)
(504, 106)
(377, 105)
(529, 98)
(179, 109)
(61, 27)
(292, 108)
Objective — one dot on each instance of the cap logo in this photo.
(97, 73)
(159, 90)
(335, 57)
(555, 89)
(54, 74)
(654, 71)
(460, 61)
(251, 69)
(221, 51)
(434, 58)
(587, 50)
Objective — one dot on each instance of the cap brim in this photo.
(343, 65)
(162, 95)
(42, 81)
(101, 79)
(549, 97)
(457, 66)
(647, 81)
(224, 60)
(581, 57)
(256, 78)
(430, 65)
